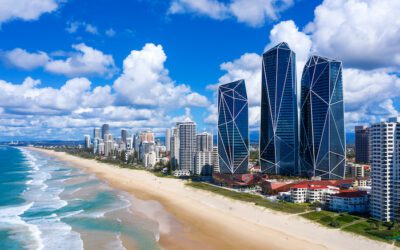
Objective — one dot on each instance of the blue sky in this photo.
(68, 66)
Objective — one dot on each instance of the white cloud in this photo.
(211, 8)
(110, 32)
(25, 9)
(361, 33)
(145, 82)
(86, 61)
(251, 12)
(73, 27)
(369, 95)
(25, 60)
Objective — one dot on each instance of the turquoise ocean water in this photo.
(48, 204)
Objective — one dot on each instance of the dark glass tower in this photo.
(279, 120)
(233, 128)
(322, 135)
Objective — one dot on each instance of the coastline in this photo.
(211, 221)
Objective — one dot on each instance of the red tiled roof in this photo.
(309, 186)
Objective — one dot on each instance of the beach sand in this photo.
(210, 221)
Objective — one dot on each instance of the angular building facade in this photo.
(233, 128)
(322, 134)
(279, 116)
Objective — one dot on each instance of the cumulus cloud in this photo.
(22, 59)
(25, 9)
(145, 81)
(362, 33)
(143, 96)
(85, 61)
(370, 95)
(251, 12)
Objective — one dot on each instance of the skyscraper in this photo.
(87, 142)
(187, 145)
(124, 136)
(385, 170)
(362, 144)
(105, 129)
(322, 135)
(96, 133)
(204, 142)
(168, 139)
(233, 128)
(175, 148)
(279, 122)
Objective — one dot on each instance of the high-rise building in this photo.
(322, 135)
(215, 159)
(233, 128)
(108, 145)
(279, 121)
(124, 136)
(187, 144)
(385, 170)
(204, 142)
(87, 142)
(147, 136)
(96, 134)
(168, 139)
(175, 148)
(105, 129)
(203, 163)
(362, 144)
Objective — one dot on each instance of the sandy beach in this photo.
(209, 221)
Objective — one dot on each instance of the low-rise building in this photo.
(351, 201)
(302, 193)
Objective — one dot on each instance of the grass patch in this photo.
(255, 199)
(376, 230)
(331, 219)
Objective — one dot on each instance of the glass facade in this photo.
(279, 116)
(322, 134)
(233, 128)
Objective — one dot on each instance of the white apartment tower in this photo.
(385, 163)
(168, 139)
(174, 148)
(187, 145)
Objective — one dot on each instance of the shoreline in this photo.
(210, 221)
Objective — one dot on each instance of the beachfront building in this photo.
(350, 201)
(302, 193)
(108, 145)
(322, 134)
(215, 160)
(88, 144)
(279, 122)
(362, 144)
(233, 128)
(124, 136)
(385, 168)
(105, 129)
(187, 145)
(96, 134)
(168, 139)
(174, 148)
(204, 142)
(203, 163)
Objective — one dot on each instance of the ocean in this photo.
(48, 204)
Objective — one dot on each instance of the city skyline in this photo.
(47, 97)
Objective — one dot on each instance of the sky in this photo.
(67, 66)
